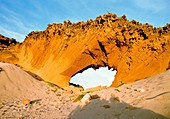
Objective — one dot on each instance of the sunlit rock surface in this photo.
(56, 54)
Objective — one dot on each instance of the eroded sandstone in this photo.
(6, 42)
(56, 54)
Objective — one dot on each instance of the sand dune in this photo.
(145, 99)
(17, 83)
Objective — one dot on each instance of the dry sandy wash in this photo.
(24, 97)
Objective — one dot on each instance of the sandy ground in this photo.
(144, 99)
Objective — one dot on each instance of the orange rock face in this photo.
(135, 50)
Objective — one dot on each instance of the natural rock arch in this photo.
(135, 50)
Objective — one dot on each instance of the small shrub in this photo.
(51, 84)
(95, 96)
(117, 99)
(78, 98)
(71, 96)
(58, 94)
(106, 106)
(131, 108)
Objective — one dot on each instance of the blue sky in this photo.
(19, 17)
(92, 78)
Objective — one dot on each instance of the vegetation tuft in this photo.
(78, 98)
(53, 85)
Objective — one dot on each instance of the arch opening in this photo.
(91, 78)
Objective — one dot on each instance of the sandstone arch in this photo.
(135, 50)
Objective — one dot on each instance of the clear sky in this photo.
(19, 17)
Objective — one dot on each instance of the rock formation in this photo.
(5, 42)
(56, 54)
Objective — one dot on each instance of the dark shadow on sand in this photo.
(112, 109)
(35, 101)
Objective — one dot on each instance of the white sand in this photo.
(16, 83)
(144, 99)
